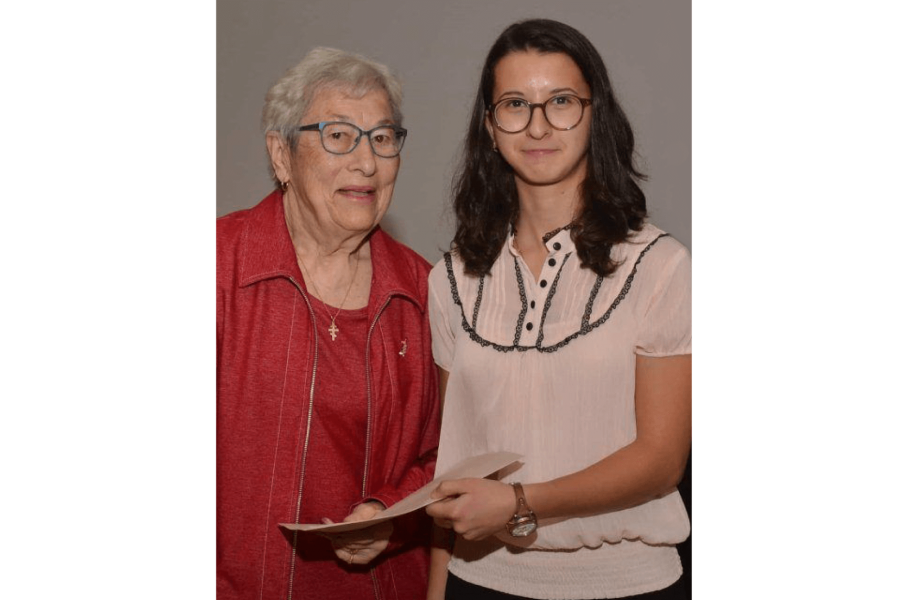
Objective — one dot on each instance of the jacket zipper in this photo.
(312, 388)
(369, 396)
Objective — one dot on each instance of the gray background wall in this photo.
(437, 49)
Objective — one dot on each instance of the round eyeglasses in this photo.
(563, 112)
(338, 137)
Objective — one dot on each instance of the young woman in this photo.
(561, 325)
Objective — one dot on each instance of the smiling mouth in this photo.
(539, 152)
(358, 192)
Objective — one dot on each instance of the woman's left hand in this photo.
(473, 508)
(360, 547)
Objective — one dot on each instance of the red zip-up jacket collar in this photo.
(267, 251)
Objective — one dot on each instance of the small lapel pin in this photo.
(403, 348)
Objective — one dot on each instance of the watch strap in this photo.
(521, 504)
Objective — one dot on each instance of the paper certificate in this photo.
(476, 466)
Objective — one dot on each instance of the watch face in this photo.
(522, 526)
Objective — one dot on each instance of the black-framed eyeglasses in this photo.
(563, 112)
(338, 137)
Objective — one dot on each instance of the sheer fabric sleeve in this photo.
(440, 310)
(665, 322)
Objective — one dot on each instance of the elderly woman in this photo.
(327, 399)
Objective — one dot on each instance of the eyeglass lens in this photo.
(562, 112)
(341, 138)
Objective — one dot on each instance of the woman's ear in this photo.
(279, 155)
(490, 130)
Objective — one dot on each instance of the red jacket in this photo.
(266, 362)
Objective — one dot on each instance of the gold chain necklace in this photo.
(333, 329)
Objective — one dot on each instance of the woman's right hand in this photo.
(473, 508)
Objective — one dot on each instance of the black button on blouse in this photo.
(529, 326)
(552, 262)
(543, 283)
(557, 245)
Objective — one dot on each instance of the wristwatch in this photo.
(524, 522)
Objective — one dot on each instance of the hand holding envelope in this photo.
(476, 466)
(360, 546)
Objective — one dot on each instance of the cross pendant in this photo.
(333, 330)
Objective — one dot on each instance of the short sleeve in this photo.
(665, 323)
(440, 307)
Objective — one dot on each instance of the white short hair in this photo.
(288, 99)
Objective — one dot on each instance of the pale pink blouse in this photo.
(545, 368)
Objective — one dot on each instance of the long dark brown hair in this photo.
(485, 199)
